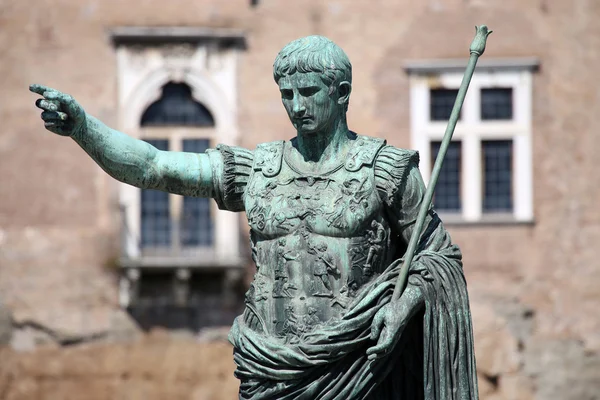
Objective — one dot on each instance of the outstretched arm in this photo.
(124, 158)
(140, 164)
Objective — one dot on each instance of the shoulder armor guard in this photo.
(363, 152)
(267, 158)
(392, 166)
(231, 184)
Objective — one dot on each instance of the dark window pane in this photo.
(196, 224)
(176, 107)
(497, 164)
(447, 190)
(496, 104)
(441, 102)
(156, 222)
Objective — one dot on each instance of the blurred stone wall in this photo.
(155, 367)
(533, 288)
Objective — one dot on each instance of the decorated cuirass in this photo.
(316, 238)
(325, 246)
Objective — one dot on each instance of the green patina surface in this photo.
(332, 214)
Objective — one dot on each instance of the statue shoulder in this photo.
(268, 157)
(233, 179)
(363, 152)
(391, 169)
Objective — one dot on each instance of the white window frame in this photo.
(471, 130)
(147, 59)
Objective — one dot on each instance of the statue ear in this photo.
(344, 90)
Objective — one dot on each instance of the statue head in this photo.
(315, 80)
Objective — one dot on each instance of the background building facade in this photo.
(87, 265)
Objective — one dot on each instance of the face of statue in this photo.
(309, 103)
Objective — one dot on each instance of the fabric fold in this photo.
(432, 360)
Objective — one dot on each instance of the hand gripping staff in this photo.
(477, 48)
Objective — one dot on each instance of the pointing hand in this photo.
(61, 113)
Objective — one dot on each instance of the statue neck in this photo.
(325, 146)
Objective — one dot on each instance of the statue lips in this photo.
(303, 122)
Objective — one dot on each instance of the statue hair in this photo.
(313, 54)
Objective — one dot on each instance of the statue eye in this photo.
(287, 94)
(308, 91)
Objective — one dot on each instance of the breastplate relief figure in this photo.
(282, 285)
(376, 242)
(331, 214)
(323, 268)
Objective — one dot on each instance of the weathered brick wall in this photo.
(154, 368)
(532, 287)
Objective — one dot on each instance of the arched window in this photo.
(182, 261)
(176, 107)
(168, 222)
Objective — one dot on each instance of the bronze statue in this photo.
(331, 214)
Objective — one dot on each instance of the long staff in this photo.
(477, 48)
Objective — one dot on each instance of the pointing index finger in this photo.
(40, 89)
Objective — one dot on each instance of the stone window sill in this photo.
(491, 219)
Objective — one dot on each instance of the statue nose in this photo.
(298, 109)
(299, 112)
